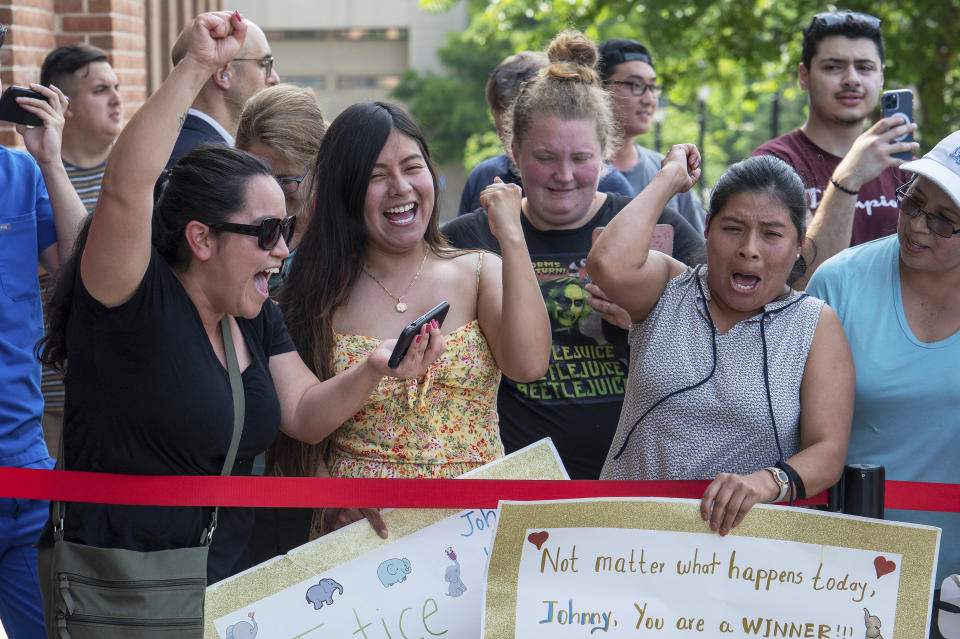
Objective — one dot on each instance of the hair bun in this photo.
(573, 57)
(574, 47)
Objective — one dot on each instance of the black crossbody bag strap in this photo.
(239, 414)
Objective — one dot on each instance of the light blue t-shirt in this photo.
(907, 411)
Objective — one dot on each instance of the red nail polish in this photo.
(434, 323)
(419, 337)
(236, 14)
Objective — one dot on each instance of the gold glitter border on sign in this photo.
(917, 544)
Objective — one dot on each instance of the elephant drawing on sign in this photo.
(393, 571)
(322, 593)
(873, 625)
(243, 629)
(451, 575)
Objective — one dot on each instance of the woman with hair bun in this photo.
(560, 131)
(503, 85)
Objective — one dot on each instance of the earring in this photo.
(798, 256)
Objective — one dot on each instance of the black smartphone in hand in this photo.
(10, 111)
(899, 102)
(438, 312)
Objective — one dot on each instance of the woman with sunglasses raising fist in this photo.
(898, 298)
(138, 316)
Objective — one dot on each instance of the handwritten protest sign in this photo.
(425, 580)
(651, 568)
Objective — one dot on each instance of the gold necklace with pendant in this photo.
(400, 306)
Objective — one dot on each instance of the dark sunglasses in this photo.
(291, 184)
(937, 224)
(639, 88)
(268, 232)
(266, 62)
(830, 18)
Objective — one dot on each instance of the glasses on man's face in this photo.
(937, 224)
(639, 88)
(268, 232)
(830, 18)
(266, 62)
(291, 184)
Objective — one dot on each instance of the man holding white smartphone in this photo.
(851, 175)
(39, 216)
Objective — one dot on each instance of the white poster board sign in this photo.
(426, 580)
(582, 569)
(427, 583)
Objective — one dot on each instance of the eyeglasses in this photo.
(291, 184)
(268, 232)
(937, 224)
(266, 62)
(639, 88)
(830, 18)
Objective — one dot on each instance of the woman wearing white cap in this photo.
(899, 300)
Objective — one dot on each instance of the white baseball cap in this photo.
(941, 166)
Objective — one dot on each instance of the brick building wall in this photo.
(136, 34)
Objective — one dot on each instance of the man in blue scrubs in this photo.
(32, 187)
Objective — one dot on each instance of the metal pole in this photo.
(863, 490)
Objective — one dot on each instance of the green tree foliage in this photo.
(745, 51)
(452, 107)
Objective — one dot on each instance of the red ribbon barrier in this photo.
(304, 492)
(308, 492)
(910, 495)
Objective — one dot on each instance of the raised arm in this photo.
(621, 262)
(831, 227)
(118, 248)
(44, 144)
(510, 306)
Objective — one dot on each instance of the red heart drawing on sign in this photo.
(883, 566)
(538, 538)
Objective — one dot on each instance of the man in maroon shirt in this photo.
(850, 174)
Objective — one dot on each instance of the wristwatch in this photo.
(783, 481)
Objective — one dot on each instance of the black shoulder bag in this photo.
(113, 593)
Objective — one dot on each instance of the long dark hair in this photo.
(330, 256)
(51, 350)
(208, 185)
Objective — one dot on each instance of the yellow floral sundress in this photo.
(439, 425)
